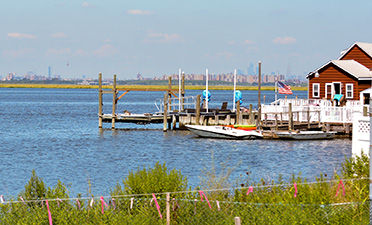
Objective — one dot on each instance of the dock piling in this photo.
(290, 119)
(165, 118)
(100, 101)
(237, 113)
(169, 93)
(183, 92)
(114, 102)
(197, 119)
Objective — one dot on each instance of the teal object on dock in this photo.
(205, 95)
(337, 97)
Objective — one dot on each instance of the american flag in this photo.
(284, 89)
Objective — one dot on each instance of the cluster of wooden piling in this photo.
(114, 91)
(183, 116)
(200, 116)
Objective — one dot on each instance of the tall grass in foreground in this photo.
(296, 201)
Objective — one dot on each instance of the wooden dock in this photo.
(174, 113)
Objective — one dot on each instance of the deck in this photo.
(285, 114)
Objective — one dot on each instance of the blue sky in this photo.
(155, 38)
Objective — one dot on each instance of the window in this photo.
(349, 91)
(316, 93)
(328, 91)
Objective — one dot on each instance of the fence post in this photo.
(370, 164)
(168, 208)
(238, 221)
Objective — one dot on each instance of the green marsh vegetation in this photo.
(141, 86)
(271, 202)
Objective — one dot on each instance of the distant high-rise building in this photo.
(240, 72)
(49, 72)
(289, 71)
(139, 76)
(251, 69)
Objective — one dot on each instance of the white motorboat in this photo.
(223, 132)
(305, 135)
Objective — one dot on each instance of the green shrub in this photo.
(152, 180)
(356, 167)
(35, 188)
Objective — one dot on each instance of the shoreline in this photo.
(187, 87)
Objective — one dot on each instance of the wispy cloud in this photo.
(86, 4)
(58, 52)
(248, 42)
(21, 36)
(139, 12)
(107, 40)
(18, 53)
(58, 35)
(163, 38)
(105, 50)
(284, 40)
(232, 42)
(81, 52)
(225, 55)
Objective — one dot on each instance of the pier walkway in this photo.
(177, 111)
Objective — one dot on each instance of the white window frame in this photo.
(328, 85)
(349, 91)
(318, 88)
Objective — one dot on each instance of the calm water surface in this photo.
(55, 132)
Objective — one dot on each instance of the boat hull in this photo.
(223, 132)
(306, 135)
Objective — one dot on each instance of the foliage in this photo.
(217, 177)
(271, 202)
(35, 188)
(356, 167)
(59, 191)
(152, 180)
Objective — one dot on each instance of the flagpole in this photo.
(276, 93)
(206, 84)
(234, 89)
(179, 90)
(276, 88)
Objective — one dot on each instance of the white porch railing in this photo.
(318, 110)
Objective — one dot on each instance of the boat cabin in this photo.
(345, 78)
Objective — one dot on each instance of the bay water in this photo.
(55, 132)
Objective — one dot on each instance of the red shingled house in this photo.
(345, 77)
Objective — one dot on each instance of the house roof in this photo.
(350, 66)
(366, 47)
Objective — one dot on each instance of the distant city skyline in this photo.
(77, 38)
(251, 70)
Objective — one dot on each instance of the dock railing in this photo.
(176, 104)
(312, 110)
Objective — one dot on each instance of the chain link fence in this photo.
(191, 207)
